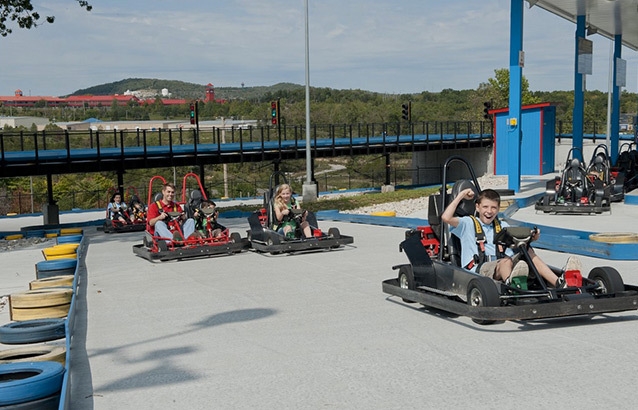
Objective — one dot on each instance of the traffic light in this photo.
(487, 106)
(274, 112)
(406, 111)
(192, 113)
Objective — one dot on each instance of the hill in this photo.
(185, 90)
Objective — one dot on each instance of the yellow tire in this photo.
(70, 231)
(12, 237)
(68, 256)
(51, 312)
(615, 237)
(61, 249)
(43, 353)
(40, 298)
(50, 235)
(51, 282)
(387, 213)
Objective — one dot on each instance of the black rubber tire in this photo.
(334, 232)
(406, 280)
(483, 292)
(32, 331)
(28, 381)
(273, 239)
(46, 403)
(608, 278)
(235, 237)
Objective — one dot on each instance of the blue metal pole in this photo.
(514, 133)
(579, 94)
(615, 103)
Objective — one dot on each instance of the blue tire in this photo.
(29, 381)
(69, 239)
(56, 264)
(32, 331)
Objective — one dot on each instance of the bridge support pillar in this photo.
(120, 183)
(50, 210)
(388, 187)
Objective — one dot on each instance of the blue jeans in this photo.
(161, 229)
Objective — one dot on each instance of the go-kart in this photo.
(435, 278)
(114, 225)
(574, 192)
(204, 244)
(264, 239)
(627, 163)
(600, 168)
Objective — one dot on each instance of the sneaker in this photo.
(573, 263)
(520, 270)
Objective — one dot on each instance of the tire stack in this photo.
(32, 373)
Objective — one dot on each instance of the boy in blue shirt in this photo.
(497, 264)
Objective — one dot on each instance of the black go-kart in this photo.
(264, 239)
(574, 192)
(211, 242)
(435, 278)
(137, 223)
(627, 163)
(612, 179)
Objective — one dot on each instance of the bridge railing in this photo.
(12, 141)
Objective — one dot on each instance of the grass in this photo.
(352, 202)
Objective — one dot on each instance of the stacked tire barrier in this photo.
(35, 375)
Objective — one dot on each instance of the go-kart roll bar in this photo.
(447, 163)
(199, 182)
(276, 173)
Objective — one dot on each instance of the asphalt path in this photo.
(316, 331)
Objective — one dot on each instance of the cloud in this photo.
(377, 45)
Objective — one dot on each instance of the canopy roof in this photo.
(605, 17)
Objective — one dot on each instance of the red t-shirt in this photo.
(154, 212)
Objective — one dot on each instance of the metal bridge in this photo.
(60, 152)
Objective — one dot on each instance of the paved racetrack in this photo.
(315, 331)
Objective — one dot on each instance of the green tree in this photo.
(22, 13)
(497, 90)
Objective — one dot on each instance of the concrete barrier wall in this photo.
(428, 164)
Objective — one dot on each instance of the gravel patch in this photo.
(20, 243)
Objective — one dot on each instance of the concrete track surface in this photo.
(315, 331)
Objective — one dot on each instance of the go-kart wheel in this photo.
(483, 292)
(235, 237)
(273, 240)
(406, 280)
(608, 280)
(334, 232)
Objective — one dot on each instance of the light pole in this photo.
(309, 189)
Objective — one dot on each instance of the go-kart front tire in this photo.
(483, 292)
(608, 279)
(406, 280)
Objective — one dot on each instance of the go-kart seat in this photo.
(466, 207)
(576, 178)
(158, 197)
(598, 167)
(194, 202)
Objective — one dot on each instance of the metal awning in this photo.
(605, 17)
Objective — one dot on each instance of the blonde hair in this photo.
(279, 202)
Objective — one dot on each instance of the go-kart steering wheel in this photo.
(174, 214)
(515, 236)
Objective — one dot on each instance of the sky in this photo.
(406, 46)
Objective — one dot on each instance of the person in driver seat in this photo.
(285, 221)
(478, 251)
(158, 217)
(205, 224)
